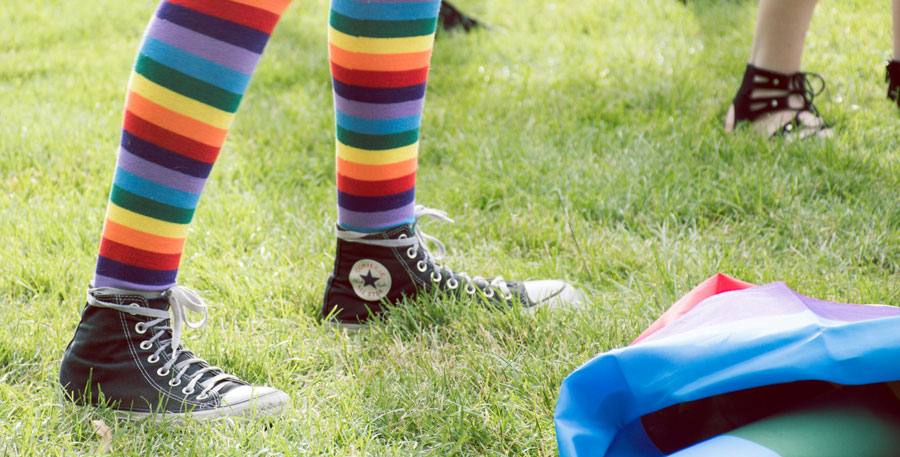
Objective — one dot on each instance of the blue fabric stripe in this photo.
(192, 65)
(131, 273)
(379, 95)
(727, 343)
(723, 445)
(375, 204)
(220, 29)
(158, 192)
(378, 126)
(387, 11)
(161, 156)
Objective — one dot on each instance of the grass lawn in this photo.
(583, 140)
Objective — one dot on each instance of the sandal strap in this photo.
(748, 107)
(892, 77)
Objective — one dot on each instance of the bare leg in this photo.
(781, 28)
(895, 8)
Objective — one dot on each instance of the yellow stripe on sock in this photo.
(145, 224)
(179, 103)
(380, 45)
(382, 157)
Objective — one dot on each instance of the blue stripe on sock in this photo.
(387, 11)
(192, 65)
(409, 221)
(378, 126)
(158, 192)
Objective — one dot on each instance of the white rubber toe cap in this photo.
(256, 400)
(553, 293)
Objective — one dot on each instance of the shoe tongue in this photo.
(161, 303)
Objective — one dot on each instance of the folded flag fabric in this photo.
(730, 361)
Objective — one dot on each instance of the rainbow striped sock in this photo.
(380, 51)
(193, 67)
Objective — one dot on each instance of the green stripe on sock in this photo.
(150, 208)
(186, 85)
(377, 142)
(382, 29)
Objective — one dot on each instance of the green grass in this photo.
(581, 141)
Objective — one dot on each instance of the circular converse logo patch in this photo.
(370, 280)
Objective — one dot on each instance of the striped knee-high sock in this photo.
(380, 51)
(194, 64)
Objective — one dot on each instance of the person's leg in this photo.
(380, 52)
(194, 64)
(781, 28)
(895, 16)
(772, 69)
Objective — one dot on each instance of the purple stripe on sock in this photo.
(378, 110)
(159, 174)
(382, 219)
(205, 47)
(107, 281)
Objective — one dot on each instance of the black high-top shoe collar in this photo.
(126, 352)
(371, 269)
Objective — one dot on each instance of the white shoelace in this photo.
(419, 241)
(181, 299)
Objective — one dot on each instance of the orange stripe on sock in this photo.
(275, 6)
(140, 240)
(379, 62)
(375, 172)
(175, 122)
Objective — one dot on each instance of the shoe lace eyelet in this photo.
(203, 396)
(470, 289)
(187, 391)
(140, 328)
(402, 236)
(146, 345)
(436, 278)
(508, 297)
(412, 252)
(175, 382)
(153, 358)
(452, 283)
(162, 372)
(489, 293)
(422, 266)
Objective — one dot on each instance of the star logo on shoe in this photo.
(370, 279)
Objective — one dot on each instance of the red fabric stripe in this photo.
(380, 79)
(376, 188)
(174, 142)
(138, 257)
(239, 13)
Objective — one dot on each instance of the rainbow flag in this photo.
(734, 369)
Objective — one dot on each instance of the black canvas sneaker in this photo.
(126, 352)
(371, 269)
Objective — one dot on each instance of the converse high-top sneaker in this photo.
(126, 350)
(384, 267)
